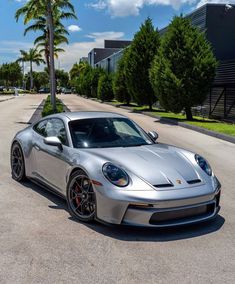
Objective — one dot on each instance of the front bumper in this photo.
(171, 216)
(149, 212)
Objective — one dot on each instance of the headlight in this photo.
(115, 175)
(203, 164)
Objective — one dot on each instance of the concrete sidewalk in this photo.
(4, 98)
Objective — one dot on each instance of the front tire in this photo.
(17, 163)
(81, 197)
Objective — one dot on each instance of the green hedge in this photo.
(13, 92)
(48, 108)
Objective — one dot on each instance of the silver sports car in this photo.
(111, 170)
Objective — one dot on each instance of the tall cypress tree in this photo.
(105, 90)
(120, 88)
(184, 67)
(138, 62)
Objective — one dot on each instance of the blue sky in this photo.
(97, 20)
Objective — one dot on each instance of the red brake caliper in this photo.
(78, 199)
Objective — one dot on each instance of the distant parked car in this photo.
(44, 91)
(2, 88)
(66, 91)
(59, 90)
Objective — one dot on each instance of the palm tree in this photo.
(60, 33)
(77, 70)
(32, 10)
(32, 56)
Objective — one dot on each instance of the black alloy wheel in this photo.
(81, 197)
(17, 163)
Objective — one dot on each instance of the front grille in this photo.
(182, 215)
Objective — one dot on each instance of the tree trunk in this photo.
(52, 61)
(150, 106)
(47, 51)
(188, 112)
(31, 75)
(47, 57)
(23, 74)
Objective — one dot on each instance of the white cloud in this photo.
(12, 47)
(10, 52)
(123, 8)
(203, 2)
(99, 37)
(100, 5)
(74, 28)
(74, 51)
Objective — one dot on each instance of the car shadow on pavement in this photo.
(59, 202)
(128, 233)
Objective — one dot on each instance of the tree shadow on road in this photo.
(137, 234)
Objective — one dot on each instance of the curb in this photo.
(1, 101)
(211, 133)
(37, 115)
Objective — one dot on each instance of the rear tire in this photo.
(17, 163)
(81, 197)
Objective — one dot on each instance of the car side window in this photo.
(55, 127)
(40, 128)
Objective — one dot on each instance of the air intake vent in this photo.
(193, 181)
(163, 185)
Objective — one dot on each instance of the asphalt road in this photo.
(40, 243)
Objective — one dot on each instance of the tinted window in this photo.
(107, 132)
(55, 127)
(40, 128)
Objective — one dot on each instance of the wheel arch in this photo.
(75, 169)
(15, 140)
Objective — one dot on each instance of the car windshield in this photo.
(106, 133)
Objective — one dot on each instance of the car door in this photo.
(38, 145)
(53, 163)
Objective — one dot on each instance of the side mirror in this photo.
(153, 135)
(53, 141)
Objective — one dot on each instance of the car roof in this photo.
(88, 115)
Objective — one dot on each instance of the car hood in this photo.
(160, 165)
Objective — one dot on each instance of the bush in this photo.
(87, 81)
(48, 108)
(95, 75)
(10, 92)
(105, 90)
(83, 82)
